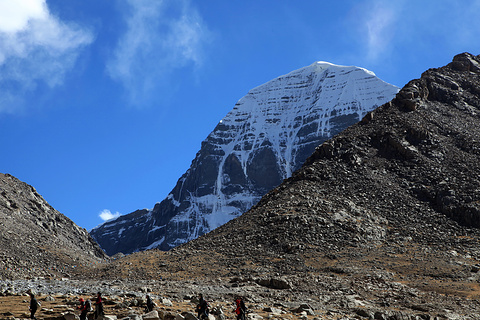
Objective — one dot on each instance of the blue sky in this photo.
(104, 103)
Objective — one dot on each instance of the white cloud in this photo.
(106, 215)
(161, 37)
(14, 15)
(35, 47)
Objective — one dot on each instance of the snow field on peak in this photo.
(275, 112)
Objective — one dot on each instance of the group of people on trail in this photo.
(203, 308)
(86, 306)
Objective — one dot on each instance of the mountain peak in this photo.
(266, 136)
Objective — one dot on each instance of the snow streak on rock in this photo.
(267, 136)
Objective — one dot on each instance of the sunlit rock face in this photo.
(268, 134)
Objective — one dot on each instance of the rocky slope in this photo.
(35, 239)
(381, 221)
(269, 134)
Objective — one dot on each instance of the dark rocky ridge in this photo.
(382, 218)
(35, 239)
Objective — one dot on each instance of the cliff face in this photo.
(263, 140)
(37, 240)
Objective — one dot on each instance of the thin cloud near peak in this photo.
(106, 215)
(161, 37)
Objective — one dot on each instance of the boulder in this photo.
(364, 313)
(275, 283)
(152, 315)
(216, 311)
(106, 317)
(167, 302)
(122, 305)
(189, 316)
(275, 311)
(305, 308)
(70, 316)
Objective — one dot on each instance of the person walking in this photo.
(99, 306)
(83, 309)
(202, 308)
(33, 305)
(150, 304)
(241, 309)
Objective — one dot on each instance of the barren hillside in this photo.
(37, 240)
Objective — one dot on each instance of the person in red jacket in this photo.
(241, 308)
(83, 309)
(99, 306)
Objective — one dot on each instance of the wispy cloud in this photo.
(378, 24)
(35, 47)
(385, 28)
(379, 30)
(106, 215)
(161, 37)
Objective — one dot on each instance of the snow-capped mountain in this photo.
(269, 134)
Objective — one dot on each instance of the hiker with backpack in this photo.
(84, 307)
(241, 309)
(202, 308)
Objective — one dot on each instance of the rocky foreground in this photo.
(341, 296)
(174, 300)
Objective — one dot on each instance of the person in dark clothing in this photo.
(99, 306)
(150, 304)
(202, 307)
(241, 309)
(83, 309)
(33, 305)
